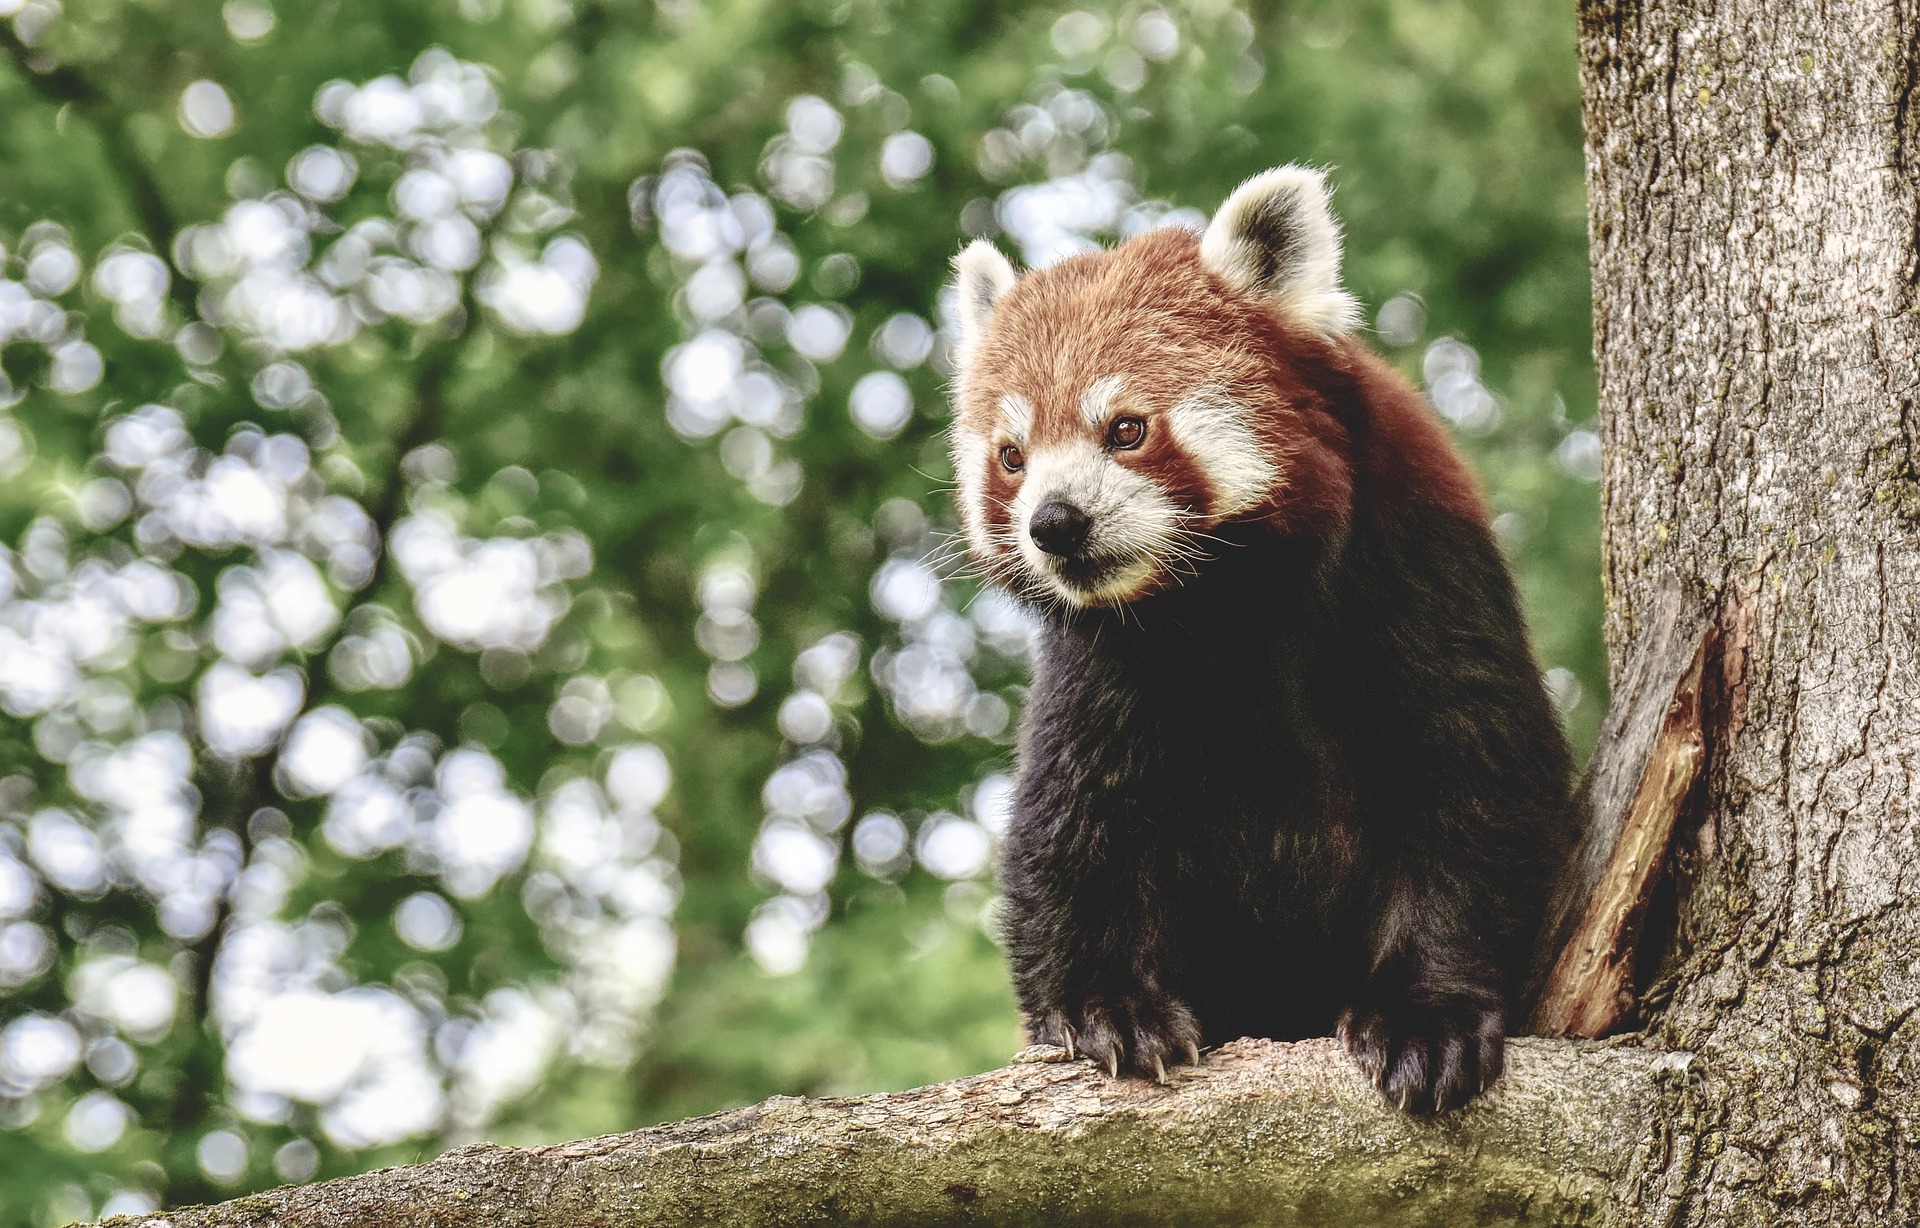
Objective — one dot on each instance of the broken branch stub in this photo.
(1657, 741)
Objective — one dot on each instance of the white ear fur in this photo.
(984, 275)
(1277, 237)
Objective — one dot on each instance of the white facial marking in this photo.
(1096, 403)
(1212, 429)
(970, 473)
(1018, 411)
(1134, 523)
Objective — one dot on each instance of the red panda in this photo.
(1287, 765)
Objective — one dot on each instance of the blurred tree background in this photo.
(474, 652)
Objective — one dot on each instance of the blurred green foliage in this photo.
(721, 546)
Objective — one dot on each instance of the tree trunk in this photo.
(1754, 204)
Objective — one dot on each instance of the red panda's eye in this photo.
(1127, 432)
(1013, 459)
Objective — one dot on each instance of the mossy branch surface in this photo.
(1261, 1134)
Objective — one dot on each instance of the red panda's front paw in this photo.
(1140, 1033)
(1426, 1058)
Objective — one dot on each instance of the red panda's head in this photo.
(1113, 409)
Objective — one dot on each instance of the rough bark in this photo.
(1262, 1134)
(1754, 200)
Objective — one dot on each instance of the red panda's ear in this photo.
(1276, 237)
(983, 276)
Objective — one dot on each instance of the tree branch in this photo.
(62, 85)
(1262, 1134)
(202, 1074)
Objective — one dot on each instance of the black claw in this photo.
(1138, 1033)
(1426, 1058)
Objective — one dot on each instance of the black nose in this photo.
(1058, 527)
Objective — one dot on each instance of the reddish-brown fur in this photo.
(1333, 417)
(1315, 777)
